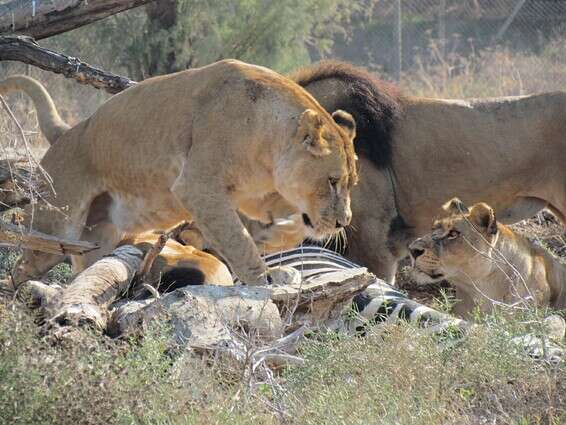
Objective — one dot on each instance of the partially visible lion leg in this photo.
(98, 229)
(374, 252)
(189, 266)
(179, 265)
(64, 216)
(522, 208)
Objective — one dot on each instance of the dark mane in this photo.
(374, 104)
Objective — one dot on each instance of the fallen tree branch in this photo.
(17, 236)
(42, 19)
(26, 50)
(87, 298)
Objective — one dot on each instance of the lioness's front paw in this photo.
(283, 275)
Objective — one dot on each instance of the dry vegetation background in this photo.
(396, 374)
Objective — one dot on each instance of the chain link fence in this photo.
(464, 48)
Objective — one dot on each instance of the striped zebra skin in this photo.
(378, 303)
(381, 302)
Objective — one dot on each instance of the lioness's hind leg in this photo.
(106, 235)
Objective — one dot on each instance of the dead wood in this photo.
(41, 19)
(17, 236)
(321, 298)
(204, 317)
(26, 50)
(87, 298)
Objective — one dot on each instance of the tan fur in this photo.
(51, 124)
(508, 152)
(198, 145)
(198, 266)
(486, 261)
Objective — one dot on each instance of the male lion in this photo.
(486, 261)
(416, 152)
(199, 144)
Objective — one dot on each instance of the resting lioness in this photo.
(486, 261)
(178, 265)
(199, 144)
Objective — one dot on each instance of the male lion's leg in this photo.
(521, 209)
(372, 250)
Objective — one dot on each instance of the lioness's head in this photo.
(316, 173)
(459, 245)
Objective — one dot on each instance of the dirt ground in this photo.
(543, 229)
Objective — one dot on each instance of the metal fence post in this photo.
(398, 37)
(442, 29)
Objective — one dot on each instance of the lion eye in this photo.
(453, 234)
(333, 181)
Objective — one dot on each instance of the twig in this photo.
(150, 257)
(33, 163)
(155, 250)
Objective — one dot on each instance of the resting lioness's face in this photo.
(317, 172)
(460, 245)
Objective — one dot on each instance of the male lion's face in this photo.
(460, 245)
(317, 172)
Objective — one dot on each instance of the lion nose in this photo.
(416, 252)
(345, 219)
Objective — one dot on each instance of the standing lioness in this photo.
(198, 145)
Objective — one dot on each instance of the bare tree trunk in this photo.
(24, 49)
(162, 16)
(42, 19)
(87, 298)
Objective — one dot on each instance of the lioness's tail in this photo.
(51, 124)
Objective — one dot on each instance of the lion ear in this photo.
(483, 215)
(346, 121)
(310, 126)
(455, 206)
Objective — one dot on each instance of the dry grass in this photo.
(395, 375)
(489, 73)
